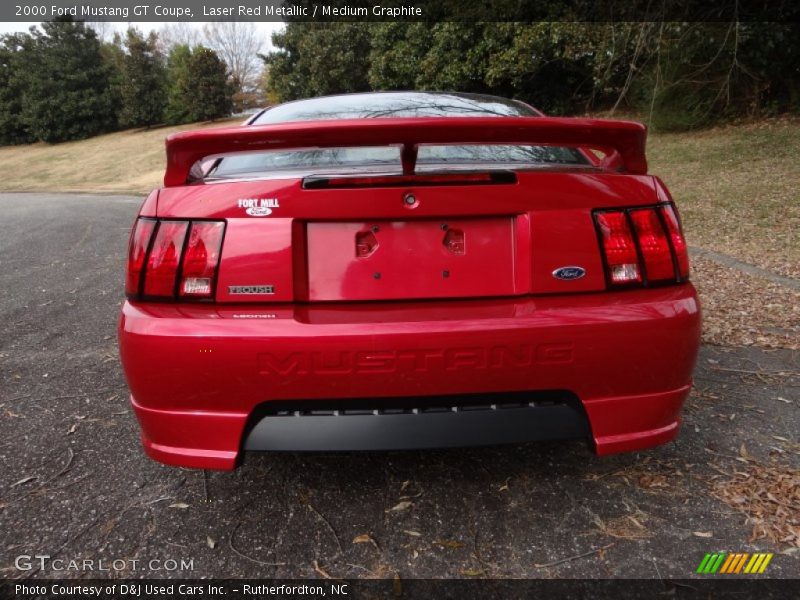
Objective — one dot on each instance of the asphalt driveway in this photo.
(75, 485)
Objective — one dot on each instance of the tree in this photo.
(178, 74)
(456, 58)
(562, 67)
(143, 86)
(199, 88)
(315, 59)
(702, 73)
(113, 54)
(12, 129)
(209, 91)
(64, 83)
(397, 48)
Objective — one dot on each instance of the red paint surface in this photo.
(628, 356)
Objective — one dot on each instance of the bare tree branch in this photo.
(181, 32)
(238, 44)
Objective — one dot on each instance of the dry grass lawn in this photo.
(738, 188)
(129, 161)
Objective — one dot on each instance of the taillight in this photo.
(619, 247)
(653, 243)
(642, 245)
(137, 251)
(677, 239)
(200, 259)
(162, 262)
(173, 258)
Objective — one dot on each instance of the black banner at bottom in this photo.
(434, 589)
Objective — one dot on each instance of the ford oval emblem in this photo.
(258, 211)
(569, 273)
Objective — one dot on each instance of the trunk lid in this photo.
(319, 245)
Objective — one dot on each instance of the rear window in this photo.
(386, 159)
(395, 105)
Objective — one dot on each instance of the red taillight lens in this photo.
(200, 260)
(643, 245)
(678, 241)
(619, 247)
(173, 258)
(654, 245)
(137, 250)
(162, 264)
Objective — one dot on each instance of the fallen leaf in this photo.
(321, 571)
(24, 480)
(179, 505)
(635, 522)
(448, 544)
(702, 534)
(362, 539)
(400, 506)
(412, 533)
(472, 572)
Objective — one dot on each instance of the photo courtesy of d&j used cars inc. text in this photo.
(399, 299)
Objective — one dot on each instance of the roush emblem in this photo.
(569, 273)
(251, 289)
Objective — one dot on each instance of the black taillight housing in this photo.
(642, 245)
(171, 259)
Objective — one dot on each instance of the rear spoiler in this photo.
(623, 142)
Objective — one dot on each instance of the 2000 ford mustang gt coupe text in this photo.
(406, 270)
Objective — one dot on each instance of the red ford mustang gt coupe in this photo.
(406, 270)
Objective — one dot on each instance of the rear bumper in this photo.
(200, 374)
